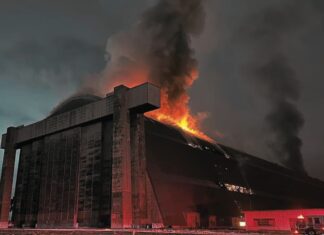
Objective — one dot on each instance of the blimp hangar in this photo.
(99, 162)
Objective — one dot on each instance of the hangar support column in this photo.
(121, 210)
(8, 164)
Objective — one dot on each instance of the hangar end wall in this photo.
(76, 167)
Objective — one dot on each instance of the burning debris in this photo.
(274, 75)
(158, 50)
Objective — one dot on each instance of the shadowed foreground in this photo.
(124, 232)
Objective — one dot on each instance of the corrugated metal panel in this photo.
(89, 175)
(58, 187)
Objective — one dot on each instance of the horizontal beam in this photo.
(143, 98)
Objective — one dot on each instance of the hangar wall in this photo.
(76, 167)
(103, 164)
(65, 179)
(62, 179)
(28, 183)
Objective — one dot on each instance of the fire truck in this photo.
(309, 225)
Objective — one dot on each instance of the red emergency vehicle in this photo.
(310, 225)
(299, 221)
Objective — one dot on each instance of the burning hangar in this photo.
(99, 162)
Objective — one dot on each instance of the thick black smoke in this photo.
(156, 49)
(275, 77)
(167, 27)
(159, 44)
(284, 118)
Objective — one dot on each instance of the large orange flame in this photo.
(174, 112)
(178, 114)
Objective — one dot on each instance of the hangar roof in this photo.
(73, 103)
(190, 174)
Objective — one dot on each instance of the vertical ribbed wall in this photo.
(57, 203)
(28, 185)
(90, 175)
(64, 180)
(32, 196)
(106, 161)
(22, 186)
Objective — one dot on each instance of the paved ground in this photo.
(125, 232)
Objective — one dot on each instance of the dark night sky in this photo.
(47, 48)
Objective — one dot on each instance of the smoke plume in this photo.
(284, 118)
(157, 49)
(168, 27)
(276, 78)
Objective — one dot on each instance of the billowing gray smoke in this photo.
(275, 77)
